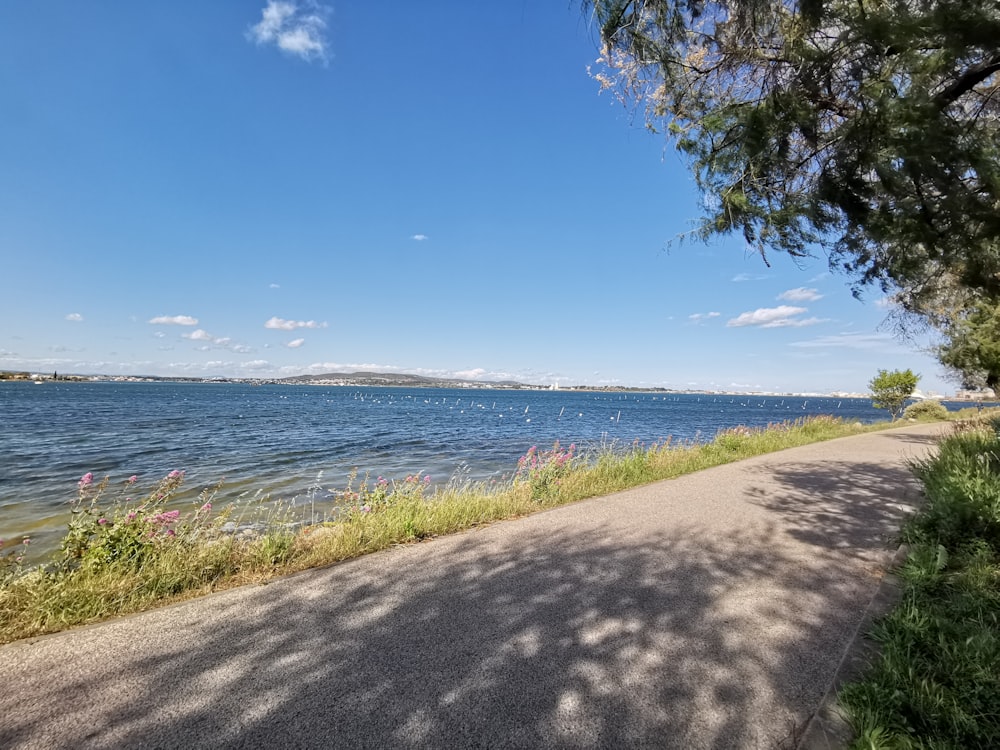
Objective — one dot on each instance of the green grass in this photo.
(936, 683)
(121, 556)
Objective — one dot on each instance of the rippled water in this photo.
(297, 441)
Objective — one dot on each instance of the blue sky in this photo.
(263, 188)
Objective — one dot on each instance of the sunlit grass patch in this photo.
(936, 682)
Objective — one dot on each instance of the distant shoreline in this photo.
(403, 380)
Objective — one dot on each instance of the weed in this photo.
(937, 680)
(544, 471)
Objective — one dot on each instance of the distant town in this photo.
(406, 380)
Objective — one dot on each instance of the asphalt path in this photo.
(708, 611)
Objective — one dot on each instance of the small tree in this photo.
(891, 389)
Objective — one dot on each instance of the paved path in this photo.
(709, 611)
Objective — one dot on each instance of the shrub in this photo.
(125, 532)
(544, 470)
(929, 410)
(962, 488)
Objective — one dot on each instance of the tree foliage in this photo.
(869, 128)
(971, 345)
(891, 388)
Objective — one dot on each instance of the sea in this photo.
(299, 444)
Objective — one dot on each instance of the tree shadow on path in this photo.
(626, 628)
(571, 642)
(840, 505)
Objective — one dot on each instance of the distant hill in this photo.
(397, 379)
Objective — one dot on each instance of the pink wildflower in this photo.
(86, 479)
(102, 521)
(206, 508)
(167, 516)
(133, 479)
(130, 515)
(366, 508)
(427, 480)
(175, 474)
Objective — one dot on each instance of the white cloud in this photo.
(749, 277)
(75, 317)
(783, 316)
(296, 29)
(475, 373)
(317, 368)
(215, 342)
(420, 237)
(274, 286)
(175, 320)
(472, 373)
(280, 324)
(862, 341)
(800, 294)
(159, 334)
(221, 367)
(697, 317)
(295, 344)
(803, 322)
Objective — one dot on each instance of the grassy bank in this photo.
(123, 554)
(936, 683)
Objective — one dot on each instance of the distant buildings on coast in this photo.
(404, 380)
